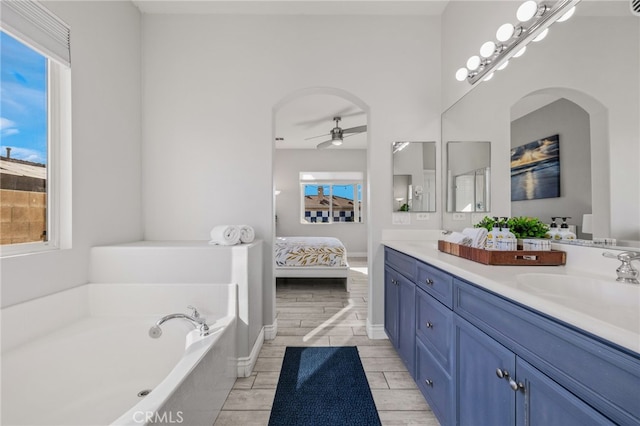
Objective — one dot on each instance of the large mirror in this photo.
(414, 176)
(591, 108)
(468, 176)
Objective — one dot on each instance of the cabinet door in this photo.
(541, 401)
(391, 305)
(483, 398)
(407, 323)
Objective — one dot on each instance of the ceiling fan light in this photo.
(336, 142)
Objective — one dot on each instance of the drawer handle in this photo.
(429, 281)
(429, 324)
(502, 373)
(394, 281)
(429, 382)
(515, 386)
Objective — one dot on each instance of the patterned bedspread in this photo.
(310, 251)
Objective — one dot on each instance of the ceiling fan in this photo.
(338, 134)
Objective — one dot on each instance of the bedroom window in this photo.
(326, 200)
(35, 122)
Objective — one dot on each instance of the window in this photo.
(330, 197)
(35, 114)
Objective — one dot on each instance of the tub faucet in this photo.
(626, 272)
(198, 322)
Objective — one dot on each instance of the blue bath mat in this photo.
(323, 386)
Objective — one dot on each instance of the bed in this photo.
(311, 257)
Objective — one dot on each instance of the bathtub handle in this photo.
(195, 314)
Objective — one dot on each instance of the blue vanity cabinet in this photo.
(497, 387)
(482, 396)
(399, 306)
(434, 354)
(562, 376)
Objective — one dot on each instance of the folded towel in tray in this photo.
(225, 235)
(478, 236)
(247, 234)
(458, 238)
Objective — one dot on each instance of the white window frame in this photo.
(330, 179)
(59, 136)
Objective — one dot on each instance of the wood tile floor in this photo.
(322, 313)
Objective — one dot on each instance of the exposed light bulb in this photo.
(461, 74)
(503, 66)
(542, 35)
(520, 52)
(527, 10)
(473, 63)
(487, 49)
(567, 15)
(489, 77)
(505, 32)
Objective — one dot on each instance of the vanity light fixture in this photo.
(534, 19)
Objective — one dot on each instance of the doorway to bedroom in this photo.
(320, 241)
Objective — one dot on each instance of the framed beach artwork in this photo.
(535, 169)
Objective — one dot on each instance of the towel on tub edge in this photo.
(225, 235)
(247, 234)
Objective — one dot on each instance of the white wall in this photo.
(210, 86)
(105, 55)
(565, 59)
(287, 165)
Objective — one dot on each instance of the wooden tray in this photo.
(513, 258)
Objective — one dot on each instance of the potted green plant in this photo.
(521, 226)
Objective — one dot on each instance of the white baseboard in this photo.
(246, 364)
(376, 331)
(356, 254)
(270, 331)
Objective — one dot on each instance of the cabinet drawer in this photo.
(402, 263)
(434, 326)
(604, 377)
(436, 282)
(435, 384)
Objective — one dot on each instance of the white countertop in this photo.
(611, 312)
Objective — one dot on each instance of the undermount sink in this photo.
(612, 302)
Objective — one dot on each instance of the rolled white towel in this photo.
(458, 238)
(225, 235)
(247, 234)
(478, 236)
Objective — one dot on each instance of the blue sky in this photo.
(345, 191)
(23, 110)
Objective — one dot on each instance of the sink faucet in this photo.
(626, 272)
(198, 322)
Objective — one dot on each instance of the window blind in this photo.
(35, 25)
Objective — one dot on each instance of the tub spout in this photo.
(198, 322)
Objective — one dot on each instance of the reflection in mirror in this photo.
(414, 176)
(468, 176)
(598, 136)
(571, 124)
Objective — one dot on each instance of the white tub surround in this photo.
(606, 308)
(194, 261)
(87, 362)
